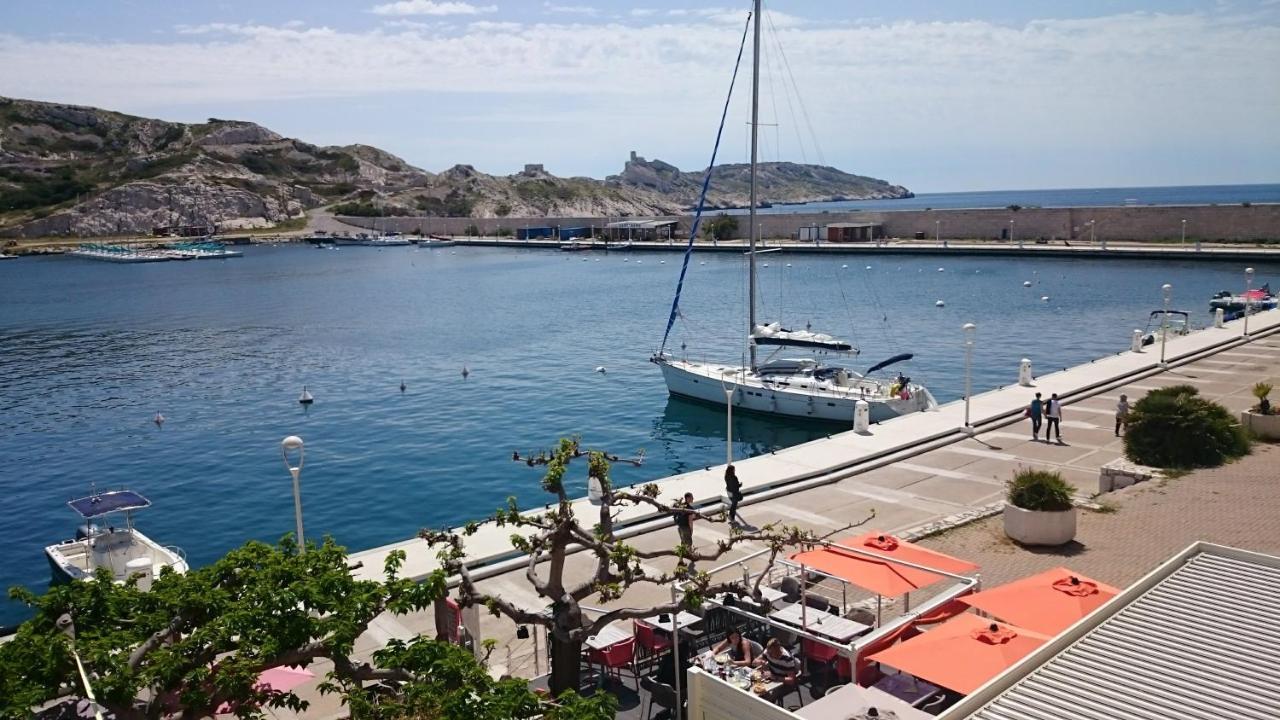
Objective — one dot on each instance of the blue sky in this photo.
(937, 96)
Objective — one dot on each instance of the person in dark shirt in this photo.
(733, 490)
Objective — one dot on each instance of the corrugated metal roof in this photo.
(1202, 643)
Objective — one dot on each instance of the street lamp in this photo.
(729, 391)
(1184, 232)
(1248, 288)
(292, 445)
(937, 231)
(1011, 232)
(1167, 291)
(1091, 235)
(970, 330)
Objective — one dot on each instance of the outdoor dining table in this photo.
(839, 628)
(685, 619)
(909, 689)
(854, 701)
(773, 596)
(740, 677)
(608, 636)
(797, 614)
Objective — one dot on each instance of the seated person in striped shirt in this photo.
(780, 663)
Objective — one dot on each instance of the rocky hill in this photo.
(777, 182)
(71, 170)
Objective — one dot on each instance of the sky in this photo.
(937, 96)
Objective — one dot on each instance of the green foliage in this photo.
(472, 230)
(1042, 490)
(360, 209)
(721, 227)
(454, 204)
(38, 190)
(502, 210)
(503, 232)
(544, 190)
(1174, 427)
(197, 640)
(160, 165)
(1261, 390)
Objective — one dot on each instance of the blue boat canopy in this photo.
(108, 502)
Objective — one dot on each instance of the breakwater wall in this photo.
(1228, 223)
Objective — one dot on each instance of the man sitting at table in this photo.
(737, 647)
(780, 663)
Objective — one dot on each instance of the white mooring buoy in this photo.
(600, 369)
(1026, 283)
(940, 304)
(1044, 298)
(305, 398)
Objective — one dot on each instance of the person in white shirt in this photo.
(1122, 413)
(1053, 418)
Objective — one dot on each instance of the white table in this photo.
(853, 701)
(684, 618)
(608, 636)
(839, 628)
(795, 613)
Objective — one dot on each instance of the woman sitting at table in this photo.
(737, 647)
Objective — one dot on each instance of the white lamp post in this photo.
(1091, 234)
(290, 445)
(1248, 287)
(1167, 291)
(970, 330)
(729, 391)
(1184, 232)
(1011, 232)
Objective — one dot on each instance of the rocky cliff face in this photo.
(70, 170)
(776, 182)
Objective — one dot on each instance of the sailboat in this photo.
(782, 384)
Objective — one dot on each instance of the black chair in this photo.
(817, 602)
(659, 693)
(791, 587)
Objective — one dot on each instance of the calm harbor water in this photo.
(1067, 197)
(90, 352)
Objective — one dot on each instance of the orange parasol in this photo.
(963, 653)
(878, 576)
(1049, 602)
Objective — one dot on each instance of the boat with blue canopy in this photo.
(123, 551)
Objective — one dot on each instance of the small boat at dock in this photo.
(576, 246)
(431, 241)
(123, 551)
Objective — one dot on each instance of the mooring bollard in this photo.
(1197, 246)
(861, 416)
(1219, 318)
(1137, 341)
(1024, 373)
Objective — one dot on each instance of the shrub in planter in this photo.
(1261, 391)
(1039, 510)
(1174, 427)
(1040, 490)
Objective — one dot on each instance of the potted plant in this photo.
(1261, 419)
(1038, 509)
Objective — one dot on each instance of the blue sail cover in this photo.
(108, 502)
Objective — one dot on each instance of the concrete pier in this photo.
(1087, 391)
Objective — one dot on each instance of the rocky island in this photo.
(73, 170)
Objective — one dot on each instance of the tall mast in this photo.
(754, 229)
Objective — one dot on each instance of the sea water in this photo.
(90, 352)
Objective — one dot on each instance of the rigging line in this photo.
(702, 197)
(848, 312)
(800, 98)
(791, 108)
(773, 100)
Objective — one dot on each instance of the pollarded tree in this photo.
(199, 640)
(552, 535)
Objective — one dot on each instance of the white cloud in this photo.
(905, 100)
(428, 7)
(570, 9)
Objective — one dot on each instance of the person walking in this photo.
(683, 517)
(1053, 411)
(733, 490)
(1035, 411)
(1122, 413)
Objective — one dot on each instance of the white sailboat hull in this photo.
(791, 397)
(114, 550)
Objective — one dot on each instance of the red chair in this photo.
(651, 643)
(820, 657)
(617, 656)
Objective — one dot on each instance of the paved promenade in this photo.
(921, 469)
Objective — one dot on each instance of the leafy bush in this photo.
(1043, 490)
(1261, 390)
(43, 190)
(1174, 427)
(721, 227)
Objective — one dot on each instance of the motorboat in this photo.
(782, 384)
(122, 551)
(1168, 324)
(576, 246)
(1233, 306)
(436, 241)
(387, 240)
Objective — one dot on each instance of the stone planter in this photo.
(1266, 427)
(1039, 527)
